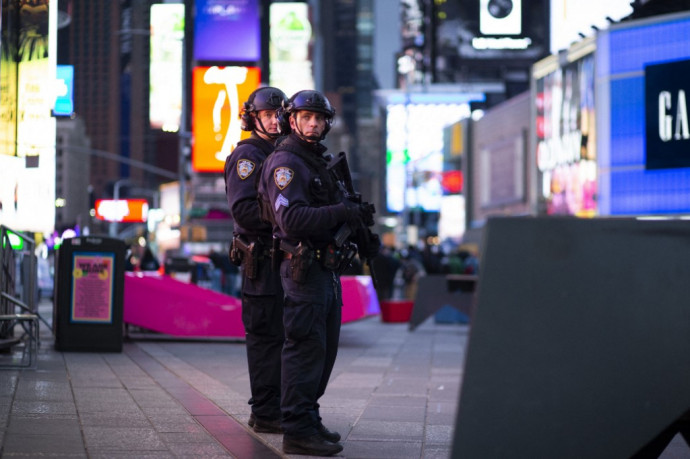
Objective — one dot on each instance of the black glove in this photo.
(371, 247)
(353, 213)
(368, 211)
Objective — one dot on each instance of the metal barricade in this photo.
(19, 320)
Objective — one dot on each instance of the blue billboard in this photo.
(227, 31)
(64, 99)
(638, 172)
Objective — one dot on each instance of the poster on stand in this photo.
(92, 287)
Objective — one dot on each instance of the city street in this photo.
(393, 394)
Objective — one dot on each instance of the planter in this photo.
(396, 310)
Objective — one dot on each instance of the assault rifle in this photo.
(362, 234)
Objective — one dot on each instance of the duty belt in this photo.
(330, 257)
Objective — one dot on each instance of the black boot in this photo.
(314, 445)
(267, 425)
(332, 436)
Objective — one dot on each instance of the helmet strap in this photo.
(308, 138)
(259, 127)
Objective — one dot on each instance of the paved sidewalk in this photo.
(393, 394)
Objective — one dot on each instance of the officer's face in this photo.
(310, 124)
(268, 120)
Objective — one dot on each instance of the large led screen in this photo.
(227, 31)
(414, 153)
(8, 82)
(289, 47)
(566, 141)
(165, 71)
(218, 94)
(571, 19)
(624, 51)
(27, 174)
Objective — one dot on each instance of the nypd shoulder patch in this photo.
(245, 168)
(282, 176)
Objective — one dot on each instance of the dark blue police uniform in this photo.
(262, 292)
(308, 209)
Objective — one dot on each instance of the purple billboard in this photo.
(227, 30)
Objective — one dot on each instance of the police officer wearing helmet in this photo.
(262, 293)
(307, 209)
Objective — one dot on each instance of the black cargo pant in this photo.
(312, 319)
(262, 316)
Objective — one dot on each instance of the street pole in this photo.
(116, 197)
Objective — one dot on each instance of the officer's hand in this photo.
(371, 248)
(367, 213)
(353, 213)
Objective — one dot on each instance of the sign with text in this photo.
(666, 115)
(628, 185)
(218, 95)
(92, 287)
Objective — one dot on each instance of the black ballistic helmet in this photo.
(267, 98)
(310, 100)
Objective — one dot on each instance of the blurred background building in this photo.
(446, 110)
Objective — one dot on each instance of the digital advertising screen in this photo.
(217, 97)
(415, 153)
(64, 100)
(122, 210)
(227, 31)
(165, 68)
(27, 162)
(289, 47)
(642, 117)
(570, 18)
(566, 140)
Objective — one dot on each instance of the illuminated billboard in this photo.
(227, 30)
(290, 39)
(122, 210)
(414, 151)
(629, 131)
(64, 100)
(165, 95)
(8, 84)
(218, 94)
(27, 166)
(570, 18)
(566, 140)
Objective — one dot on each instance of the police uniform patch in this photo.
(245, 168)
(282, 176)
(281, 201)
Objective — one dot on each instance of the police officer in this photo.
(308, 209)
(262, 293)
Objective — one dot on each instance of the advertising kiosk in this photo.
(89, 293)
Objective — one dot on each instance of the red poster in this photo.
(92, 287)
